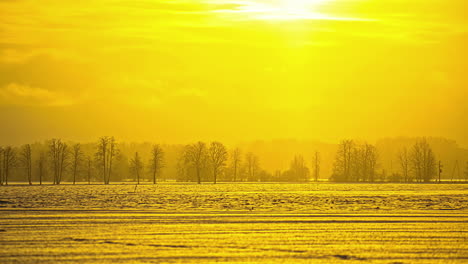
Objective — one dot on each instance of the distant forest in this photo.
(107, 160)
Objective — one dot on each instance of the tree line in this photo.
(360, 162)
(102, 161)
(57, 161)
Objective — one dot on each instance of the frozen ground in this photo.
(271, 223)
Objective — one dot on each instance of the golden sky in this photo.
(178, 71)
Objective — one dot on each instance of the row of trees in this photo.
(199, 159)
(199, 162)
(355, 162)
(103, 161)
(59, 158)
(156, 163)
(359, 162)
(418, 163)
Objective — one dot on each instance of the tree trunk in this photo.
(74, 175)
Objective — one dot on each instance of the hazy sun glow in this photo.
(299, 5)
(285, 9)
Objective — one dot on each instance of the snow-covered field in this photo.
(271, 223)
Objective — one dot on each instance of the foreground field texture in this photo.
(235, 223)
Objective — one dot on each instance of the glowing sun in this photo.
(286, 9)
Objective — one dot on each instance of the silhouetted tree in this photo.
(183, 167)
(136, 165)
(77, 159)
(316, 164)
(41, 166)
(106, 151)
(9, 161)
(342, 166)
(423, 161)
(59, 155)
(196, 154)
(368, 161)
(89, 167)
(252, 165)
(355, 162)
(26, 161)
(404, 161)
(217, 154)
(235, 162)
(156, 161)
(298, 170)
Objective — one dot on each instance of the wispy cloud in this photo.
(19, 94)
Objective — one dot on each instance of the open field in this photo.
(272, 223)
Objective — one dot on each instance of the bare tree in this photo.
(106, 152)
(182, 167)
(423, 161)
(253, 166)
(298, 169)
(218, 156)
(235, 162)
(89, 167)
(343, 161)
(369, 159)
(316, 163)
(404, 160)
(156, 161)
(59, 157)
(26, 161)
(9, 160)
(355, 162)
(196, 154)
(77, 159)
(136, 165)
(41, 163)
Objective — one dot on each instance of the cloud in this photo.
(19, 94)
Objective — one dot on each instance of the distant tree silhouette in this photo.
(343, 158)
(217, 155)
(136, 166)
(423, 161)
(404, 161)
(106, 152)
(26, 161)
(298, 170)
(235, 162)
(89, 167)
(355, 162)
(316, 164)
(77, 159)
(41, 166)
(252, 165)
(59, 156)
(367, 161)
(183, 167)
(156, 161)
(196, 155)
(8, 162)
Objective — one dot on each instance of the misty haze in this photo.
(247, 131)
